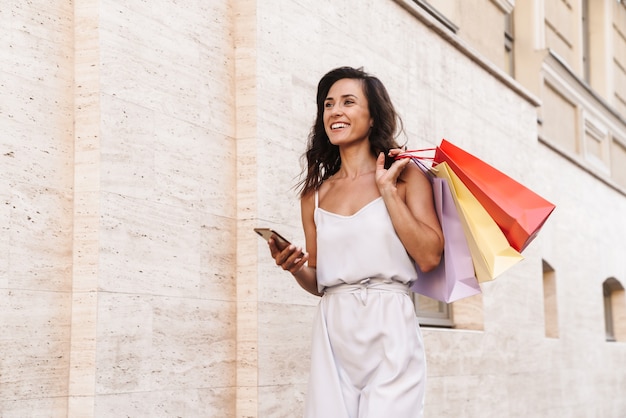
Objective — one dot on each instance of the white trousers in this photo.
(367, 357)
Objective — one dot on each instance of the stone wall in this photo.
(141, 144)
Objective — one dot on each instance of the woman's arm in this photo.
(290, 258)
(410, 206)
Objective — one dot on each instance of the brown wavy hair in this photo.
(322, 157)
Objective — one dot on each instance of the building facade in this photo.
(143, 141)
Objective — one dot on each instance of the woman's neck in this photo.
(356, 162)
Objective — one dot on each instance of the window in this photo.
(468, 312)
(509, 62)
(618, 159)
(614, 310)
(431, 312)
(585, 40)
(551, 314)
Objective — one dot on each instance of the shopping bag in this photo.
(491, 253)
(454, 277)
(519, 212)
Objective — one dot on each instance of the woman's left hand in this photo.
(386, 179)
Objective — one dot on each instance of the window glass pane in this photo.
(431, 312)
(551, 317)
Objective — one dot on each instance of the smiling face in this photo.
(347, 117)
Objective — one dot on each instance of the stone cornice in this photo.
(445, 33)
(506, 6)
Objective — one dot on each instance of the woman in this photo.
(365, 228)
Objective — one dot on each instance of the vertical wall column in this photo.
(82, 377)
(245, 18)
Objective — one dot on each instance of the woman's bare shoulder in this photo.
(413, 174)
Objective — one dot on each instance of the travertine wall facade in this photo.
(36, 180)
(143, 141)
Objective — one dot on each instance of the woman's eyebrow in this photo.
(342, 97)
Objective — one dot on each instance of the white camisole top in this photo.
(364, 245)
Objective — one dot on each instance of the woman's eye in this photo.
(328, 104)
(348, 102)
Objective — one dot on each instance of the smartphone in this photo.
(267, 233)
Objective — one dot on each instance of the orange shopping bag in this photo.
(519, 212)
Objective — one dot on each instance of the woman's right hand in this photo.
(291, 258)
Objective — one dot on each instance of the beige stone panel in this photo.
(36, 407)
(127, 150)
(35, 344)
(619, 45)
(560, 119)
(278, 164)
(39, 255)
(154, 248)
(468, 313)
(192, 403)
(50, 20)
(165, 159)
(513, 303)
(277, 286)
(451, 9)
(542, 386)
(284, 357)
(619, 84)
(466, 396)
(282, 400)
(599, 48)
(618, 162)
(559, 17)
(83, 348)
(218, 279)
(146, 60)
(482, 25)
(37, 147)
(37, 50)
(152, 344)
(529, 43)
(198, 170)
(36, 172)
(460, 352)
(596, 143)
(284, 343)
(194, 344)
(125, 344)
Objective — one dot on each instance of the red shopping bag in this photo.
(517, 210)
(454, 278)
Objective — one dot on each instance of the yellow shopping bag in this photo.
(491, 253)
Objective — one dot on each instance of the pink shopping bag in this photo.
(454, 278)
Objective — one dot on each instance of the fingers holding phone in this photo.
(290, 258)
(285, 254)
